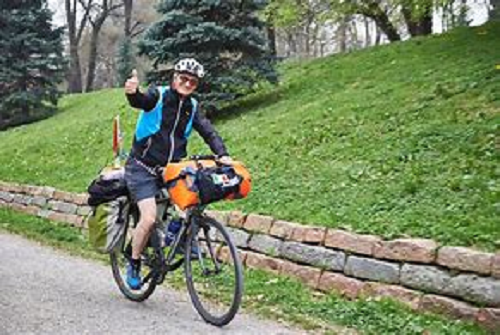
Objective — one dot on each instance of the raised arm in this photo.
(146, 101)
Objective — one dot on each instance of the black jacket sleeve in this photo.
(207, 131)
(146, 101)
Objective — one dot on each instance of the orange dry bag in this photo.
(202, 182)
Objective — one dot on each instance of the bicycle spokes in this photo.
(213, 282)
(210, 247)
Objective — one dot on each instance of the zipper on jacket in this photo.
(148, 145)
(172, 144)
(150, 139)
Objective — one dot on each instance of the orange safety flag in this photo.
(117, 142)
(116, 135)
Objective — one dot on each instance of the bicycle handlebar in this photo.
(159, 170)
(204, 157)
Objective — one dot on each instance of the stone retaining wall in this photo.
(460, 282)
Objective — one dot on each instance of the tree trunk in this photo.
(128, 17)
(271, 35)
(23, 82)
(316, 40)
(342, 34)
(94, 39)
(307, 41)
(445, 17)
(387, 28)
(495, 10)
(425, 25)
(368, 37)
(462, 14)
(418, 26)
(292, 44)
(373, 10)
(75, 70)
(353, 33)
(322, 43)
(378, 35)
(74, 36)
(310, 36)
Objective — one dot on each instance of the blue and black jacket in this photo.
(164, 126)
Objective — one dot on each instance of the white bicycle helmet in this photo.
(190, 66)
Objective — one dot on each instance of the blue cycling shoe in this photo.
(133, 277)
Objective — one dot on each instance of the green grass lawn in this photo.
(398, 140)
(271, 296)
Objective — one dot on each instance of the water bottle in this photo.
(172, 231)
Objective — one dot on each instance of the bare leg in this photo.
(147, 209)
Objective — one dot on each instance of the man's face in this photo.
(184, 83)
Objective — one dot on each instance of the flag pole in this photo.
(117, 141)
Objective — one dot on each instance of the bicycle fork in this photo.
(213, 257)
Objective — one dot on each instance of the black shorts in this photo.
(141, 183)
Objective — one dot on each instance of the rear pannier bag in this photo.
(107, 224)
(108, 186)
(199, 183)
(108, 197)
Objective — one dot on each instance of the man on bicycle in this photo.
(168, 115)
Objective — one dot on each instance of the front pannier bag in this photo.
(193, 183)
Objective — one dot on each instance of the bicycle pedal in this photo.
(160, 279)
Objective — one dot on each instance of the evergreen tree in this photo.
(125, 60)
(226, 36)
(31, 62)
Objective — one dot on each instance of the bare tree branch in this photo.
(87, 7)
(97, 22)
(137, 24)
(138, 32)
(84, 20)
(112, 8)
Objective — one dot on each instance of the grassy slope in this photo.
(396, 140)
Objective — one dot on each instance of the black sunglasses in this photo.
(184, 79)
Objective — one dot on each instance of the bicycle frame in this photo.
(167, 263)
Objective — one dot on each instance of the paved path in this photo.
(44, 291)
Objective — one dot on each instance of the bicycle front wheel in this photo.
(213, 272)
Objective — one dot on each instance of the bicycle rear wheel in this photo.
(120, 258)
(213, 272)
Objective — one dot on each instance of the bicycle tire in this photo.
(118, 262)
(237, 294)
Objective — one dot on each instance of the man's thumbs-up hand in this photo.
(132, 83)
